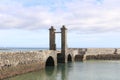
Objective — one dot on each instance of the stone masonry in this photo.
(14, 63)
(63, 56)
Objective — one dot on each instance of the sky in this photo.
(89, 23)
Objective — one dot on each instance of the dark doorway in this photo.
(50, 61)
(69, 59)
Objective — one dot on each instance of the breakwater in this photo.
(15, 63)
(98, 54)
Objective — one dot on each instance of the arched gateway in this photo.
(69, 58)
(62, 57)
(50, 61)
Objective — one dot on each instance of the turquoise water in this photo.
(89, 70)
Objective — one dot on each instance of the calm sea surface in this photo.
(89, 70)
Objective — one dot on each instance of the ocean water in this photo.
(88, 70)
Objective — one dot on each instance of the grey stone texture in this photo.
(15, 58)
(13, 63)
(63, 39)
(52, 38)
(96, 51)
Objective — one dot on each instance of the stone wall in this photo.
(118, 51)
(96, 51)
(97, 54)
(14, 63)
(102, 57)
(102, 54)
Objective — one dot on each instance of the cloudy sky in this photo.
(90, 23)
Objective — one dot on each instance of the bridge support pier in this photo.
(61, 58)
(52, 39)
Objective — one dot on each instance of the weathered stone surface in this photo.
(103, 57)
(13, 63)
(96, 51)
(79, 58)
(118, 51)
(102, 54)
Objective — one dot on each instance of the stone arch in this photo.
(50, 61)
(78, 57)
(69, 58)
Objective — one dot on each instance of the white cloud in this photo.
(86, 16)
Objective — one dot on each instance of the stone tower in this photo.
(63, 40)
(52, 39)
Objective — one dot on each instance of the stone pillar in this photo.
(63, 40)
(62, 58)
(52, 45)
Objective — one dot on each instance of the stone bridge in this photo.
(46, 57)
(65, 54)
(14, 63)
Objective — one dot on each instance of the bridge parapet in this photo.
(96, 51)
(81, 51)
